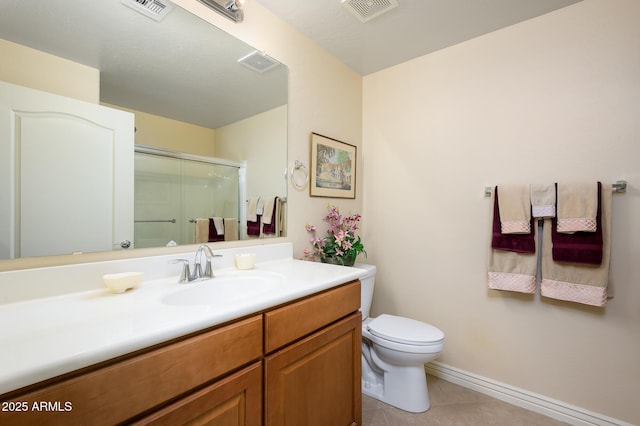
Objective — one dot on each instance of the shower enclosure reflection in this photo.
(172, 192)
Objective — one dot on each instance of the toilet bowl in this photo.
(394, 351)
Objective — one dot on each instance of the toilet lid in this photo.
(405, 330)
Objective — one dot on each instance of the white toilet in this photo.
(394, 351)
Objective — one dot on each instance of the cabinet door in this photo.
(233, 401)
(317, 381)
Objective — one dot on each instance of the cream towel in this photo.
(508, 269)
(268, 210)
(515, 209)
(512, 271)
(543, 200)
(577, 207)
(231, 229)
(585, 284)
(202, 231)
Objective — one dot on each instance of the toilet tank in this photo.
(367, 282)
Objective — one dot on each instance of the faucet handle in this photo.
(185, 274)
(208, 270)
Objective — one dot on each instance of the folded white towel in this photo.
(260, 206)
(514, 203)
(543, 200)
(577, 207)
(252, 215)
(219, 225)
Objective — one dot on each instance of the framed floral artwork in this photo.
(333, 168)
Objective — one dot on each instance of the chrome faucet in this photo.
(187, 276)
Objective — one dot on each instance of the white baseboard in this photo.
(531, 401)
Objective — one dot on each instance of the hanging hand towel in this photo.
(543, 200)
(579, 247)
(269, 219)
(515, 209)
(253, 218)
(519, 243)
(577, 206)
(230, 229)
(573, 282)
(202, 231)
(213, 232)
(512, 261)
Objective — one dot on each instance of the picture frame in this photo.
(333, 168)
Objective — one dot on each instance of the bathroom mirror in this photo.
(176, 66)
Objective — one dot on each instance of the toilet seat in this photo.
(405, 331)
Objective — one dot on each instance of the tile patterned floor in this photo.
(453, 405)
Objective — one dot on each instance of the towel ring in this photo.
(300, 168)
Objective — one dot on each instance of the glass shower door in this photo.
(209, 190)
(157, 201)
(170, 193)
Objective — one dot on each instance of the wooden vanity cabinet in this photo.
(123, 390)
(297, 364)
(315, 380)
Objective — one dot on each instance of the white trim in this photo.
(522, 398)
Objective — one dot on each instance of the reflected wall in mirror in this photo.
(180, 77)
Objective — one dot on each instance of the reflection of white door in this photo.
(67, 174)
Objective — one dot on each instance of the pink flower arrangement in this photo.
(341, 245)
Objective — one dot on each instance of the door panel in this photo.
(67, 179)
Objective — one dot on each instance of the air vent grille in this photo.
(154, 9)
(258, 61)
(366, 10)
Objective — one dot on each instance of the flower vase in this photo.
(339, 260)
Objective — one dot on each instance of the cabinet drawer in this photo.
(234, 400)
(291, 322)
(120, 391)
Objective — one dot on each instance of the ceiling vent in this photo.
(154, 9)
(366, 10)
(258, 61)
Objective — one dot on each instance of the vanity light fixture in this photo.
(154, 9)
(231, 9)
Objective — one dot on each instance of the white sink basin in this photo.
(224, 289)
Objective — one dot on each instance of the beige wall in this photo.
(165, 133)
(62, 77)
(553, 98)
(261, 141)
(325, 97)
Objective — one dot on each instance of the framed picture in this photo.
(333, 168)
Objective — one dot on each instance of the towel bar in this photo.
(155, 221)
(620, 187)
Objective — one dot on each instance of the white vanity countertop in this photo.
(46, 337)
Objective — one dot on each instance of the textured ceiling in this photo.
(412, 29)
(150, 67)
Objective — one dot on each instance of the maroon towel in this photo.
(253, 228)
(519, 243)
(271, 228)
(579, 247)
(213, 233)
